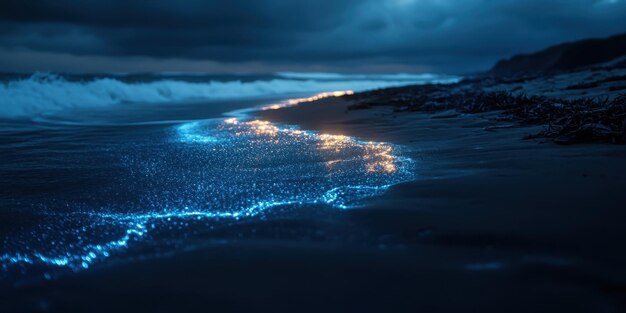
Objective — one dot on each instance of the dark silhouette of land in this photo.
(576, 90)
(566, 57)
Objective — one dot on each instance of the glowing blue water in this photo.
(203, 173)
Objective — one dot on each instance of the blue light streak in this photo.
(222, 170)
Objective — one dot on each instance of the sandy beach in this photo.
(526, 212)
(502, 223)
(312, 156)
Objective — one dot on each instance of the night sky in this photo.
(290, 35)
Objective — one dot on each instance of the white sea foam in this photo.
(43, 94)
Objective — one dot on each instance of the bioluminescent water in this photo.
(206, 171)
(156, 179)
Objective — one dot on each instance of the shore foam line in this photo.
(302, 168)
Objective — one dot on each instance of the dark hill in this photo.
(563, 57)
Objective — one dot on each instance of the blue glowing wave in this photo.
(215, 170)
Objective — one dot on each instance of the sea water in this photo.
(101, 169)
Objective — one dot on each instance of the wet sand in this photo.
(492, 224)
(545, 219)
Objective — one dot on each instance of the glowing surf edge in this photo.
(138, 224)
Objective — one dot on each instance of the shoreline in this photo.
(490, 216)
(526, 204)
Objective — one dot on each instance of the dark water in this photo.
(97, 183)
(76, 196)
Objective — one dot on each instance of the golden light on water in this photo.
(293, 102)
(334, 142)
(378, 157)
(263, 128)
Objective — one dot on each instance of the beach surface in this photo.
(492, 223)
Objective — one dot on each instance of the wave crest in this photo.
(44, 93)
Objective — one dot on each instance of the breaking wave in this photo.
(44, 93)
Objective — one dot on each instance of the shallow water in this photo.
(110, 188)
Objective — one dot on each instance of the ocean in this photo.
(100, 170)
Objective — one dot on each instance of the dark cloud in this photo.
(440, 35)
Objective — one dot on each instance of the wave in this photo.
(44, 93)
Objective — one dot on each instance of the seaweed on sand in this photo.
(567, 121)
(586, 120)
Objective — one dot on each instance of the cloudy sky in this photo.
(452, 36)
